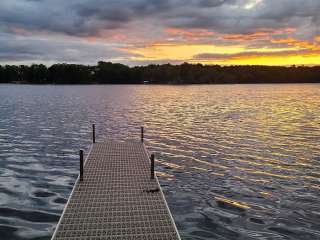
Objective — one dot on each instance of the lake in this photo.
(235, 161)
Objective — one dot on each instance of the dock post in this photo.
(142, 130)
(152, 165)
(93, 133)
(81, 165)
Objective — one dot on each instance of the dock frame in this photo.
(116, 196)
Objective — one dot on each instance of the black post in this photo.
(142, 134)
(93, 133)
(81, 165)
(152, 165)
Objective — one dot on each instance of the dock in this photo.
(116, 196)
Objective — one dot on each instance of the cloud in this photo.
(77, 17)
(88, 17)
(30, 49)
(97, 27)
(253, 54)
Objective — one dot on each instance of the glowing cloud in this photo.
(208, 31)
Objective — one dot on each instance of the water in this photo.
(235, 161)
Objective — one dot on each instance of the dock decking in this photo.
(116, 199)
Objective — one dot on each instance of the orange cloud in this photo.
(263, 33)
(297, 43)
(245, 37)
(284, 40)
(177, 51)
(91, 39)
(277, 47)
(20, 31)
(189, 34)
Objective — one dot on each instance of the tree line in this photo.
(116, 73)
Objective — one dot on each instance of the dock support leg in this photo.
(93, 133)
(152, 165)
(81, 165)
(142, 132)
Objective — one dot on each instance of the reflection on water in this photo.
(235, 161)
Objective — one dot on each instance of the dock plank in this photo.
(114, 200)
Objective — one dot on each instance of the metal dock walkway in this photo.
(117, 199)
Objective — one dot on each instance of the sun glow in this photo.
(182, 52)
(296, 52)
(252, 4)
(270, 60)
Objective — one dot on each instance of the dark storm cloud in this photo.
(34, 49)
(81, 17)
(214, 3)
(238, 17)
(88, 17)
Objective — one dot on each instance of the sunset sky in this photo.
(140, 32)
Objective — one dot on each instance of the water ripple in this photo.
(235, 161)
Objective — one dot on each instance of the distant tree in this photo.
(36, 74)
(107, 72)
(116, 73)
(11, 73)
(69, 74)
(39, 73)
(1, 74)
